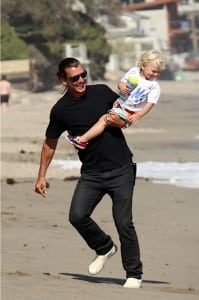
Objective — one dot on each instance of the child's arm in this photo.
(123, 87)
(116, 103)
(133, 119)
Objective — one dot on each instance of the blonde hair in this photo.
(152, 55)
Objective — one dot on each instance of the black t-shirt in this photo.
(103, 153)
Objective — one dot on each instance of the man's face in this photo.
(76, 80)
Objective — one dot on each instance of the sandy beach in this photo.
(44, 258)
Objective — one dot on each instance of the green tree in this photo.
(12, 47)
(48, 24)
(98, 50)
(111, 8)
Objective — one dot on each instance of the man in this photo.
(107, 168)
(5, 92)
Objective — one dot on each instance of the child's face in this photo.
(150, 70)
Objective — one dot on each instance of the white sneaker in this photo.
(100, 260)
(133, 283)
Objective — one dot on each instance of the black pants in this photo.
(119, 185)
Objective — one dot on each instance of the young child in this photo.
(139, 92)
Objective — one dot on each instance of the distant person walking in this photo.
(5, 92)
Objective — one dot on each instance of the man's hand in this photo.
(112, 119)
(40, 187)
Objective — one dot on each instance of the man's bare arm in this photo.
(47, 153)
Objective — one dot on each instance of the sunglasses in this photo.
(77, 77)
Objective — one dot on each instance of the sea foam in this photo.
(179, 174)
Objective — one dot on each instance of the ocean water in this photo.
(174, 173)
(178, 174)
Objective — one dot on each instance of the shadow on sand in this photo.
(108, 280)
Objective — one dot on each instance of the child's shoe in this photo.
(74, 141)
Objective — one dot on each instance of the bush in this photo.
(12, 47)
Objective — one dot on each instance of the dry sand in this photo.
(43, 258)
